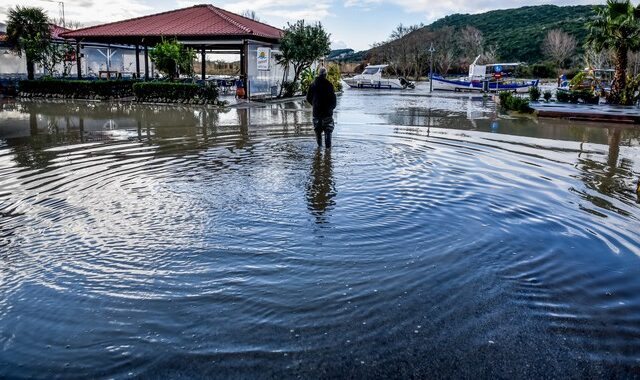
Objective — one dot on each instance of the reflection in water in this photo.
(321, 189)
(170, 241)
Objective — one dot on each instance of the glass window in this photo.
(371, 71)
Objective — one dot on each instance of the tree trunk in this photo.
(30, 69)
(620, 76)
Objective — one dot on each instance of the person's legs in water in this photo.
(328, 130)
(317, 128)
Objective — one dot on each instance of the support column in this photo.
(146, 62)
(137, 61)
(204, 64)
(78, 60)
(244, 67)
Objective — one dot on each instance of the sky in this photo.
(355, 24)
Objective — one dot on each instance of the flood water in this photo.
(437, 238)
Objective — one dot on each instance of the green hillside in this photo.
(518, 33)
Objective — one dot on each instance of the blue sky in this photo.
(352, 23)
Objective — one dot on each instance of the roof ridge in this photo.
(135, 18)
(229, 19)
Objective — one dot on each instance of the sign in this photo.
(263, 58)
(498, 69)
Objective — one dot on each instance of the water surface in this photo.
(437, 238)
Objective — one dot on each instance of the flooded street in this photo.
(437, 238)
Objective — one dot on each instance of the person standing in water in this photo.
(322, 96)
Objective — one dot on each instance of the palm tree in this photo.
(28, 32)
(616, 27)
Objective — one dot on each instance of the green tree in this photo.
(616, 27)
(172, 58)
(28, 32)
(301, 45)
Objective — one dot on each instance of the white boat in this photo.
(488, 77)
(371, 77)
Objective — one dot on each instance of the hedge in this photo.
(171, 92)
(76, 89)
(577, 96)
(514, 103)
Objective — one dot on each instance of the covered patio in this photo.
(205, 28)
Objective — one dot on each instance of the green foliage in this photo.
(290, 88)
(335, 76)
(547, 96)
(172, 58)
(301, 45)
(518, 33)
(76, 89)
(168, 92)
(307, 77)
(577, 96)
(616, 27)
(534, 93)
(510, 102)
(28, 32)
(56, 54)
(630, 94)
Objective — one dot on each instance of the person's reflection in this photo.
(321, 186)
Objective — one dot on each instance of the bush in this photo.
(290, 88)
(76, 89)
(563, 96)
(168, 92)
(334, 76)
(577, 96)
(307, 77)
(544, 70)
(534, 93)
(514, 103)
(547, 96)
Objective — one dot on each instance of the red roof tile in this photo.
(56, 30)
(200, 20)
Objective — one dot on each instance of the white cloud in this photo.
(88, 12)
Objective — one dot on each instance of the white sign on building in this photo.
(263, 58)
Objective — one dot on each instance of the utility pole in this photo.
(431, 50)
(61, 4)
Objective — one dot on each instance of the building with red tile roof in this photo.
(205, 28)
(197, 22)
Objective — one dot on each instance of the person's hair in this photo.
(323, 71)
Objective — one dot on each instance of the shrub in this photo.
(168, 92)
(563, 96)
(534, 93)
(543, 70)
(514, 103)
(76, 89)
(547, 96)
(307, 77)
(577, 96)
(334, 76)
(290, 88)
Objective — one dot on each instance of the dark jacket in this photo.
(322, 96)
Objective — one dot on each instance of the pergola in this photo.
(205, 28)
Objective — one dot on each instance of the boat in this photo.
(371, 77)
(490, 77)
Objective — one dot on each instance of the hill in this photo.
(518, 33)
